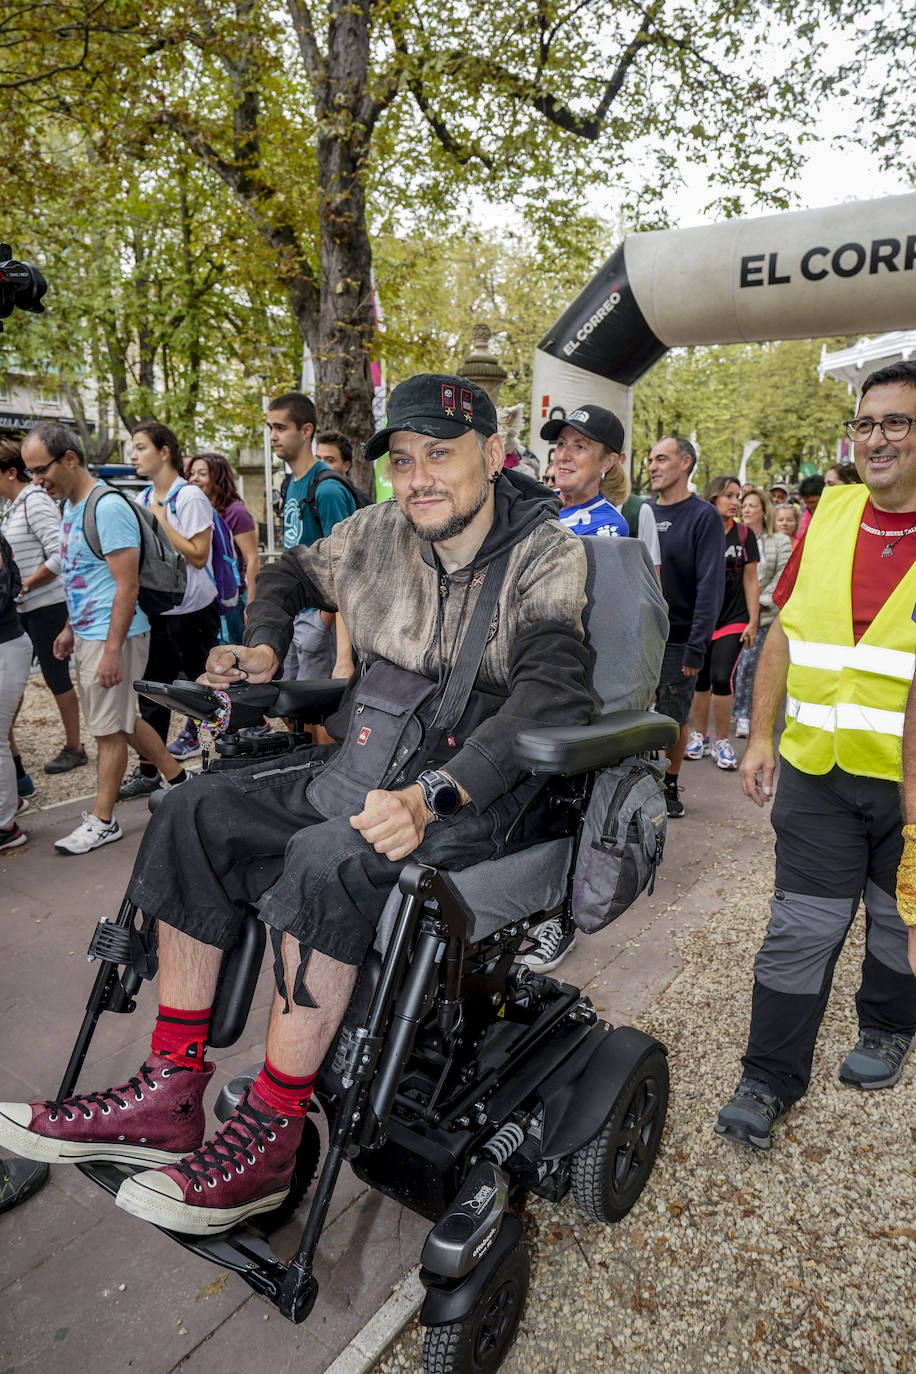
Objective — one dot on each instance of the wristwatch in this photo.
(440, 793)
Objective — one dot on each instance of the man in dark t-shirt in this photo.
(693, 568)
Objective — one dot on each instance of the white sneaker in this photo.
(553, 945)
(92, 834)
(742, 727)
(697, 745)
(724, 754)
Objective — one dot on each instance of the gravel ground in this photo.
(802, 1260)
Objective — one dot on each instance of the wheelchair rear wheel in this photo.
(609, 1173)
(479, 1342)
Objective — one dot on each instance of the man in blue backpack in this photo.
(312, 506)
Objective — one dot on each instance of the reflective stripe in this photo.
(866, 658)
(851, 716)
(846, 716)
(812, 714)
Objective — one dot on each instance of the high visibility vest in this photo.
(845, 701)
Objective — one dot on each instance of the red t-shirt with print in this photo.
(874, 577)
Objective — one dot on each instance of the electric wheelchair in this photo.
(460, 1079)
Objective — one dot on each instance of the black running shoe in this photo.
(137, 784)
(675, 807)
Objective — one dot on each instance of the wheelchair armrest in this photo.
(309, 700)
(580, 748)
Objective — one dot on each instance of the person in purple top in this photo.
(589, 442)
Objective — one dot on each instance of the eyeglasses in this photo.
(45, 467)
(892, 427)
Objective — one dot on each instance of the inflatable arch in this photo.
(846, 269)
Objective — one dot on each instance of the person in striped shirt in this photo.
(32, 527)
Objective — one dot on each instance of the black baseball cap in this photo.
(594, 422)
(437, 404)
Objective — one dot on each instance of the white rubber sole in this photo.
(29, 1145)
(147, 1203)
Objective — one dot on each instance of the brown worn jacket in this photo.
(387, 585)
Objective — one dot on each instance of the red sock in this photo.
(182, 1035)
(291, 1096)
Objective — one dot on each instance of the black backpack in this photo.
(360, 497)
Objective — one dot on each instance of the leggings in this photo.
(718, 670)
(42, 627)
(178, 648)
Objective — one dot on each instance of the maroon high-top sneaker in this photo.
(244, 1169)
(153, 1118)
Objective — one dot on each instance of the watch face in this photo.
(442, 796)
(446, 799)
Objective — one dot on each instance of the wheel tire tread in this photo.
(589, 1166)
(445, 1348)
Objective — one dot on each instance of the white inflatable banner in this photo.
(847, 269)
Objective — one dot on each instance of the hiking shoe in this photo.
(92, 833)
(742, 727)
(137, 784)
(19, 1179)
(12, 838)
(71, 756)
(25, 787)
(751, 1115)
(186, 745)
(552, 945)
(697, 745)
(153, 1118)
(724, 754)
(877, 1060)
(673, 804)
(245, 1168)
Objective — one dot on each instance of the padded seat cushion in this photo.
(501, 891)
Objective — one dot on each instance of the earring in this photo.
(494, 477)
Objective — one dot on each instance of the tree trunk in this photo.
(346, 324)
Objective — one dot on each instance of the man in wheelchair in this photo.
(464, 600)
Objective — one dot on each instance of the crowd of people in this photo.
(392, 589)
(718, 577)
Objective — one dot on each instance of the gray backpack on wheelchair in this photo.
(623, 833)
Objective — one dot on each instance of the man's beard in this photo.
(451, 528)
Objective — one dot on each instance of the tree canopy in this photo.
(727, 396)
(304, 133)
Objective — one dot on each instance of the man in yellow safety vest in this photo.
(841, 656)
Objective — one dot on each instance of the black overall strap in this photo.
(467, 663)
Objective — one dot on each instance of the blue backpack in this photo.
(225, 574)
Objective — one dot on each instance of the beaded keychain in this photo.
(216, 725)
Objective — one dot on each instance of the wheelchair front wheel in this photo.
(609, 1173)
(479, 1342)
